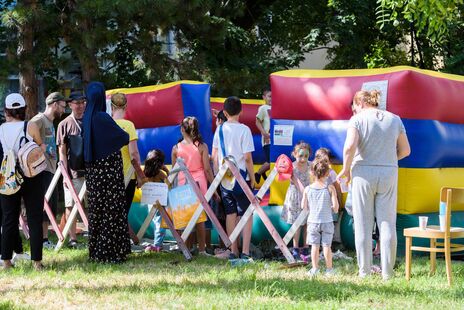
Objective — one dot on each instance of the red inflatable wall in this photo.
(249, 110)
(412, 93)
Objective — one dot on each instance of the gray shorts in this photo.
(68, 200)
(320, 233)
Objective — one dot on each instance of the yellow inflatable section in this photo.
(418, 189)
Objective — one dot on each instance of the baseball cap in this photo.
(77, 95)
(14, 101)
(54, 97)
(284, 167)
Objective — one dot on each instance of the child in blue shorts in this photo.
(321, 199)
(234, 140)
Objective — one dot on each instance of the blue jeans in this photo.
(159, 231)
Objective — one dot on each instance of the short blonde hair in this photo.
(371, 98)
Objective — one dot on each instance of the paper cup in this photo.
(442, 222)
(423, 222)
(344, 185)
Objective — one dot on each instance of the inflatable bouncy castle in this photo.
(314, 105)
(157, 112)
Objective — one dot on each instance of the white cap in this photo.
(14, 101)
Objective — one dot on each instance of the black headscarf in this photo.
(102, 136)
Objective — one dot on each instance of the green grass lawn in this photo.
(166, 280)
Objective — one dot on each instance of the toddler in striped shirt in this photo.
(321, 199)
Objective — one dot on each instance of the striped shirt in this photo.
(320, 205)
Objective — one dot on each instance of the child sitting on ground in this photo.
(292, 203)
(156, 171)
(321, 199)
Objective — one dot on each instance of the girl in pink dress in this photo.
(195, 155)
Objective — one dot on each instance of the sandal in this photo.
(376, 269)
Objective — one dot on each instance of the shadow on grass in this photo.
(296, 290)
(235, 282)
(217, 278)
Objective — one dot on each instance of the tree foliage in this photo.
(234, 45)
(430, 17)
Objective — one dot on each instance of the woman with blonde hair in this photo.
(375, 141)
(130, 153)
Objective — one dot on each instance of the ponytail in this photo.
(191, 128)
(371, 98)
(374, 99)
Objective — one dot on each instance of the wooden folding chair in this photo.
(451, 198)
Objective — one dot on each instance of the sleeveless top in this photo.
(320, 205)
(191, 155)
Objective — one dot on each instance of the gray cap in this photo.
(54, 97)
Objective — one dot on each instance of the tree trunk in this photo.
(413, 62)
(85, 49)
(89, 66)
(27, 79)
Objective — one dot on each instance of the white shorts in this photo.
(68, 199)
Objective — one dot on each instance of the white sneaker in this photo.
(313, 272)
(48, 245)
(330, 272)
(20, 256)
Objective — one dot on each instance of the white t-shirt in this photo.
(10, 135)
(264, 117)
(237, 141)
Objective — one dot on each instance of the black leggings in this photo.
(18, 248)
(130, 191)
(32, 191)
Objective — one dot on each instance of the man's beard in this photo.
(57, 114)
